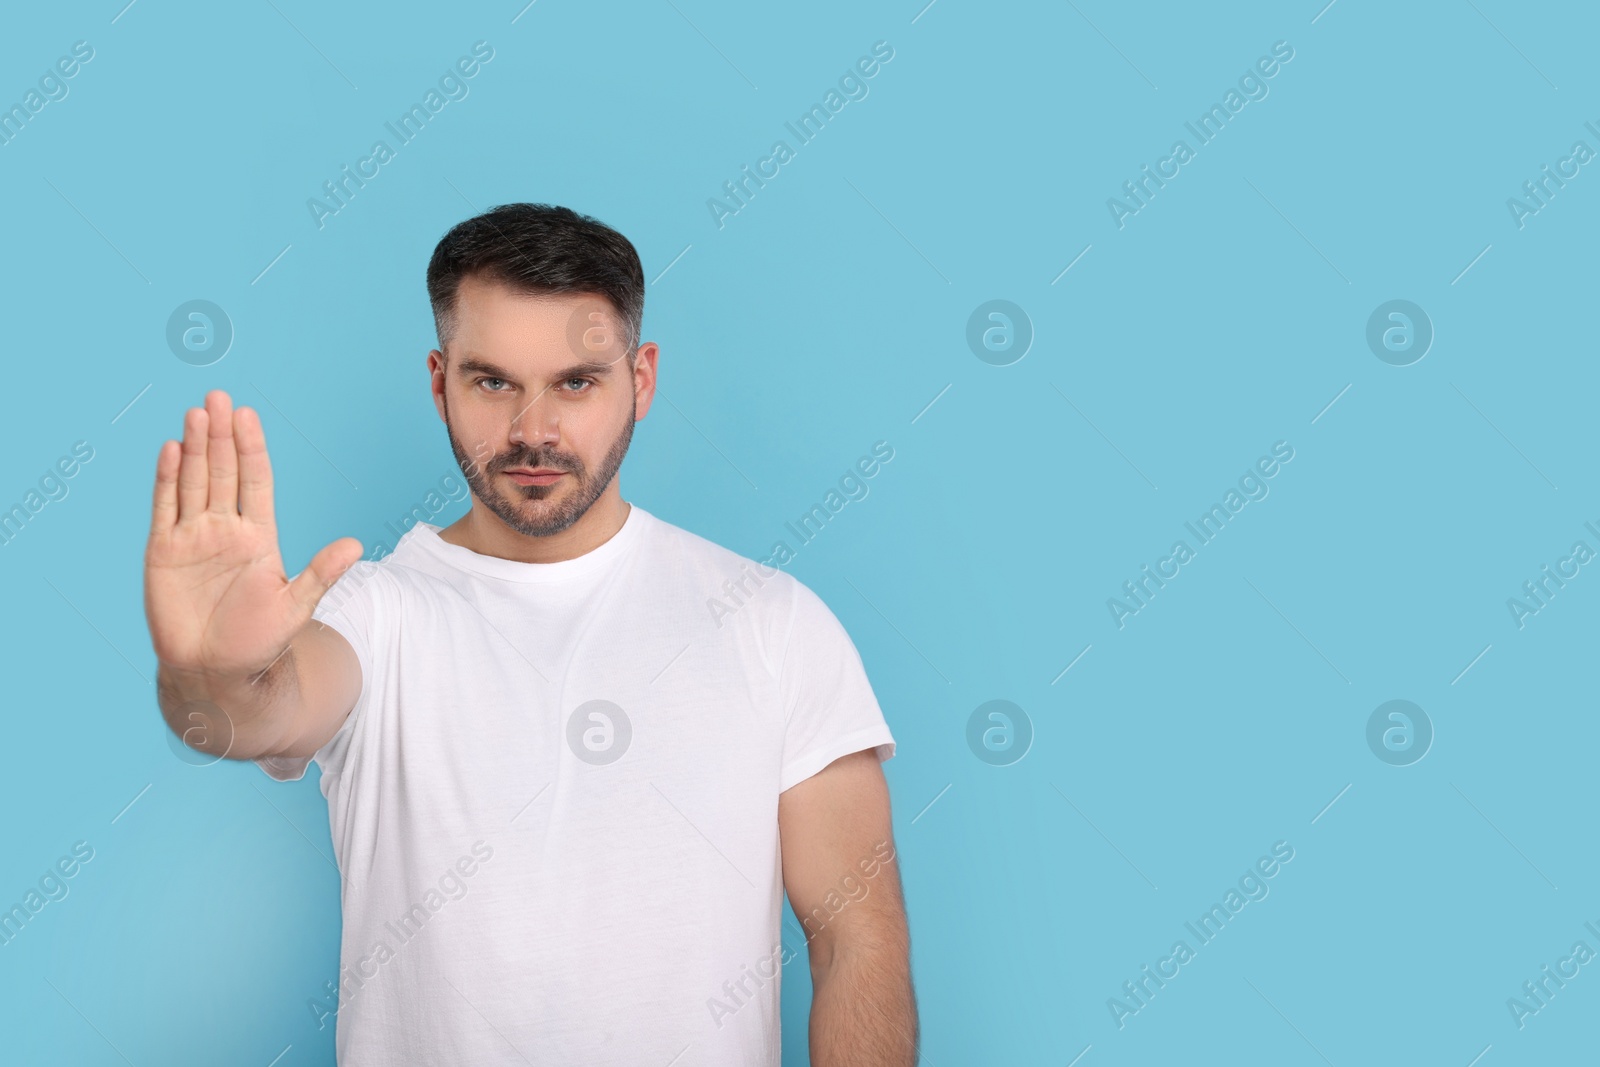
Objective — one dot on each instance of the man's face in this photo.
(534, 383)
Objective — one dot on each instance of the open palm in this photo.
(216, 595)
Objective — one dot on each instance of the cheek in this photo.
(592, 423)
(481, 414)
(473, 432)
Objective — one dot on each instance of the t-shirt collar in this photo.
(596, 559)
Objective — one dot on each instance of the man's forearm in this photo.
(863, 1010)
(224, 715)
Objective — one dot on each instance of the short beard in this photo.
(567, 511)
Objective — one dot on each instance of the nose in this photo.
(537, 423)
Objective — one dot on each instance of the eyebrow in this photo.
(472, 366)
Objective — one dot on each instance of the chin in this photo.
(536, 494)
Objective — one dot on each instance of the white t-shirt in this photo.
(555, 803)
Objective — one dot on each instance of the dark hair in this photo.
(538, 248)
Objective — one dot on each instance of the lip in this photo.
(541, 476)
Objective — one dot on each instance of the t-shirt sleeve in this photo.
(829, 707)
(351, 606)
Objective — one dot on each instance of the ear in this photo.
(436, 376)
(644, 378)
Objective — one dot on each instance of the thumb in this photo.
(310, 585)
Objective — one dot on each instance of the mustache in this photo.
(535, 460)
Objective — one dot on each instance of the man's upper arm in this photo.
(829, 707)
(840, 868)
(331, 664)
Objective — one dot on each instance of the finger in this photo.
(193, 479)
(221, 457)
(255, 470)
(164, 510)
(311, 584)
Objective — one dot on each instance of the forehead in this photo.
(534, 330)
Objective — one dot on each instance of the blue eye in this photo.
(480, 381)
(586, 381)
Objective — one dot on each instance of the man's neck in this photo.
(482, 531)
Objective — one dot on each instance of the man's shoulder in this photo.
(754, 595)
(694, 549)
(383, 570)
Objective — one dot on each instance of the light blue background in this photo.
(1225, 316)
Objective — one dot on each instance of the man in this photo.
(565, 796)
